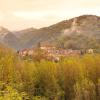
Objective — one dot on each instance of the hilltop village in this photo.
(50, 52)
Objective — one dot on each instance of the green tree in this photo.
(85, 90)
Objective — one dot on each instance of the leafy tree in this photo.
(85, 90)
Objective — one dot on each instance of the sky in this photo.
(21, 14)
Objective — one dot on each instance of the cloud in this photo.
(29, 15)
(40, 13)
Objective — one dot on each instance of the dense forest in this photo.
(72, 78)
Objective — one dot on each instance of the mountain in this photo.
(77, 33)
(9, 39)
(25, 35)
(84, 33)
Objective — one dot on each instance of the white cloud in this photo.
(29, 15)
(54, 14)
(40, 13)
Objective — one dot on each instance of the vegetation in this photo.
(78, 42)
(73, 78)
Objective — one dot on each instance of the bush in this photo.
(73, 78)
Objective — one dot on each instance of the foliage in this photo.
(72, 78)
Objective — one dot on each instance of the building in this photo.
(90, 51)
(46, 46)
(26, 52)
(50, 52)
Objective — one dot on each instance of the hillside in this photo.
(9, 39)
(79, 32)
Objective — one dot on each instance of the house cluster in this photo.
(25, 52)
(52, 53)
(52, 50)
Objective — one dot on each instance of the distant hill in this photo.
(25, 35)
(77, 33)
(9, 39)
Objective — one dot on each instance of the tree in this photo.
(85, 90)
